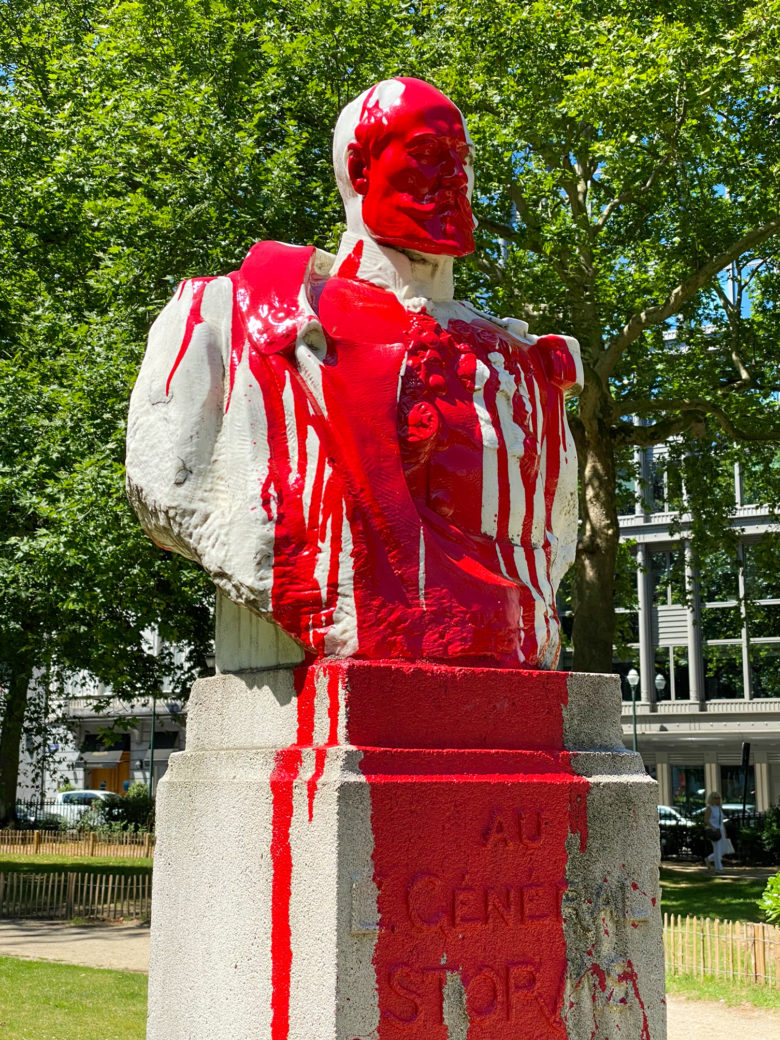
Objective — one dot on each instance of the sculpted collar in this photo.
(416, 279)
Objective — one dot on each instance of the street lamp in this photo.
(151, 744)
(633, 682)
(660, 685)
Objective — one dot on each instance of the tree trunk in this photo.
(594, 568)
(11, 735)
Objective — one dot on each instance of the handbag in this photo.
(712, 833)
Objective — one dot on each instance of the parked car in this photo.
(30, 816)
(667, 814)
(729, 809)
(677, 832)
(70, 806)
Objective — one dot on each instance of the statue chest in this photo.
(463, 405)
(469, 424)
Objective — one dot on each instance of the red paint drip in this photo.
(314, 779)
(350, 267)
(194, 318)
(598, 974)
(285, 774)
(630, 975)
(237, 338)
(321, 752)
(286, 768)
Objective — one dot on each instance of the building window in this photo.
(731, 781)
(759, 471)
(762, 577)
(718, 577)
(665, 482)
(723, 673)
(688, 787)
(765, 668)
(681, 691)
(625, 489)
(667, 576)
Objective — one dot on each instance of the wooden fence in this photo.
(107, 897)
(735, 950)
(61, 843)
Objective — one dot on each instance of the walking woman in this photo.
(715, 830)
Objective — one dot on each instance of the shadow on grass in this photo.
(710, 895)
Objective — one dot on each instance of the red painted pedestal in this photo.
(428, 869)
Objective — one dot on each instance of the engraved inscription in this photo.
(494, 993)
(513, 830)
(432, 903)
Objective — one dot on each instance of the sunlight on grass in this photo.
(40, 864)
(44, 1001)
(703, 895)
(731, 993)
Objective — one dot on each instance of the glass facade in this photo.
(723, 678)
(731, 782)
(722, 611)
(688, 792)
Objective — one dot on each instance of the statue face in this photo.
(412, 165)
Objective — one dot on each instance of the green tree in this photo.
(627, 161)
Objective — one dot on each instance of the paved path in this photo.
(757, 873)
(121, 946)
(706, 1020)
(126, 947)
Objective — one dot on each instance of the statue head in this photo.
(402, 157)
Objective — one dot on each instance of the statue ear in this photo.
(357, 168)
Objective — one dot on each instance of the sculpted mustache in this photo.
(449, 200)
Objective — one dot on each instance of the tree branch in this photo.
(646, 436)
(630, 194)
(530, 219)
(494, 270)
(689, 408)
(502, 230)
(680, 295)
(534, 236)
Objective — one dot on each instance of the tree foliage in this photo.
(627, 163)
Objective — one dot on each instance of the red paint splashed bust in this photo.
(382, 470)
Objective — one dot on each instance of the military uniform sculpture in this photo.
(385, 472)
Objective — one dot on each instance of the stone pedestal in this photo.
(406, 852)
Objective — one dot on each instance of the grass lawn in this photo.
(731, 993)
(43, 1001)
(702, 895)
(81, 864)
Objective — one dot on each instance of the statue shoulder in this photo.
(274, 292)
(559, 356)
(278, 265)
(562, 361)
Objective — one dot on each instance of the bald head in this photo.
(402, 158)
